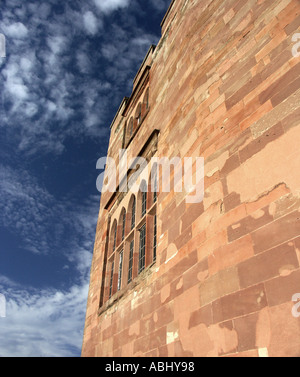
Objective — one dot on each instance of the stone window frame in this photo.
(142, 248)
(120, 269)
(130, 127)
(133, 213)
(142, 197)
(116, 285)
(111, 283)
(114, 205)
(130, 264)
(136, 116)
(123, 220)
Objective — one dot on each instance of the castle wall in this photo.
(223, 85)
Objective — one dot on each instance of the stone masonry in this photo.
(223, 83)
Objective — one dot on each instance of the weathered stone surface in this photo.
(221, 84)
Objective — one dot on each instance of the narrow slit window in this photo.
(133, 214)
(120, 270)
(115, 238)
(144, 203)
(131, 127)
(155, 187)
(111, 279)
(139, 114)
(146, 99)
(130, 261)
(142, 251)
(123, 225)
(144, 198)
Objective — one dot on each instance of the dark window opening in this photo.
(142, 254)
(130, 261)
(146, 99)
(120, 270)
(155, 187)
(131, 127)
(144, 198)
(115, 238)
(133, 214)
(111, 279)
(123, 225)
(139, 114)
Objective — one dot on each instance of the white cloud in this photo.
(30, 109)
(33, 212)
(108, 6)
(91, 23)
(16, 30)
(19, 91)
(41, 98)
(83, 61)
(26, 63)
(58, 44)
(46, 323)
(143, 40)
(110, 52)
(160, 4)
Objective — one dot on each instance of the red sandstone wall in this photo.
(224, 85)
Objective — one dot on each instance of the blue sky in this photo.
(68, 66)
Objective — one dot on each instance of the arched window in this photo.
(130, 128)
(154, 183)
(146, 99)
(120, 270)
(143, 190)
(133, 210)
(111, 278)
(138, 114)
(142, 248)
(123, 224)
(114, 236)
(130, 262)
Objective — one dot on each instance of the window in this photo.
(111, 279)
(115, 238)
(139, 114)
(123, 224)
(133, 209)
(154, 183)
(144, 198)
(144, 203)
(154, 238)
(142, 251)
(131, 247)
(120, 270)
(146, 99)
(132, 242)
(130, 127)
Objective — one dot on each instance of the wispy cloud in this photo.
(32, 212)
(160, 4)
(91, 23)
(45, 323)
(50, 78)
(15, 30)
(108, 6)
